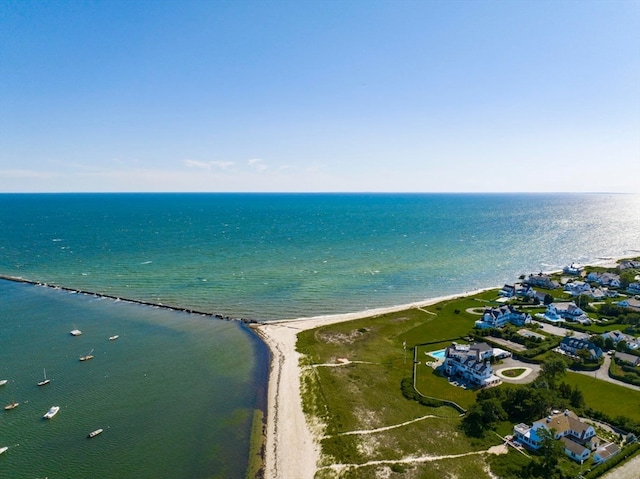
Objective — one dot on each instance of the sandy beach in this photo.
(292, 449)
(292, 445)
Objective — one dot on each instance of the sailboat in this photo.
(87, 356)
(45, 380)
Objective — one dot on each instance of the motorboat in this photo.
(11, 405)
(3, 449)
(113, 338)
(51, 412)
(87, 356)
(45, 380)
(75, 332)
(3, 382)
(95, 433)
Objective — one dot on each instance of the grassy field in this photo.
(363, 411)
(367, 396)
(609, 398)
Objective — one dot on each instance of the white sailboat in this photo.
(45, 380)
(87, 356)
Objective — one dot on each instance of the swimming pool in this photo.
(439, 354)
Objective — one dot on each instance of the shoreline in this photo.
(291, 446)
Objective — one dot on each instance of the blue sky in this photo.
(433, 96)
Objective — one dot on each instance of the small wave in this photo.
(56, 239)
(146, 262)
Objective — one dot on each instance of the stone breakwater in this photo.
(128, 300)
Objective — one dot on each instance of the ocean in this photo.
(176, 392)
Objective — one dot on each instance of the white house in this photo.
(634, 288)
(576, 451)
(606, 452)
(577, 435)
(630, 303)
(471, 363)
(498, 317)
(508, 291)
(573, 268)
(576, 288)
(569, 311)
(542, 280)
(617, 336)
(604, 279)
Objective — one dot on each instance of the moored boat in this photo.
(51, 412)
(3, 449)
(87, 356)
(113, 338)
(95, 433)
(75, 332)
(3, 382)
(45, 380)
(11, 405)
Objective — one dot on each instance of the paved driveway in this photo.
(509, 363)
(603, 374)
(560, 331)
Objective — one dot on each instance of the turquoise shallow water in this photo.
(175, 392)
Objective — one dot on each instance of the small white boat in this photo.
(75, 332)
(51, 412)
(45, 380)
(113, 338)
(95, 433)
(3, 382)
(87, 356)
(3, 449)
(11, 405)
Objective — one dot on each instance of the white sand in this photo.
(292, 448)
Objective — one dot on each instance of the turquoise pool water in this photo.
(439, 354)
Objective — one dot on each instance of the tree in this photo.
(621, 346)
(552, 450)
(552, 368)
(548, 299)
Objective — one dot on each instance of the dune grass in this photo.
(367, 396)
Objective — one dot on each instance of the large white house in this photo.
(470, 362)
(578, 438)
(498, 317)
(604, 279)
(558, 312)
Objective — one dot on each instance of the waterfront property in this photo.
(542, 280)
(470, 362)
(499, 317)
(578, 438)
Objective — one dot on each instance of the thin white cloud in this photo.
(223, 165)
(257, 164)
(197, 164)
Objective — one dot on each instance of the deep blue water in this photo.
(243, 255)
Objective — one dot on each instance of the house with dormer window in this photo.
(499, 317)
(578, 438)
(471, 362)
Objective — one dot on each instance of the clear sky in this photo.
(334, 95)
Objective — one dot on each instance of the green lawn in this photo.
(368, 396)
(604, 396)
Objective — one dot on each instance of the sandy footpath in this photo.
(292, 449)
